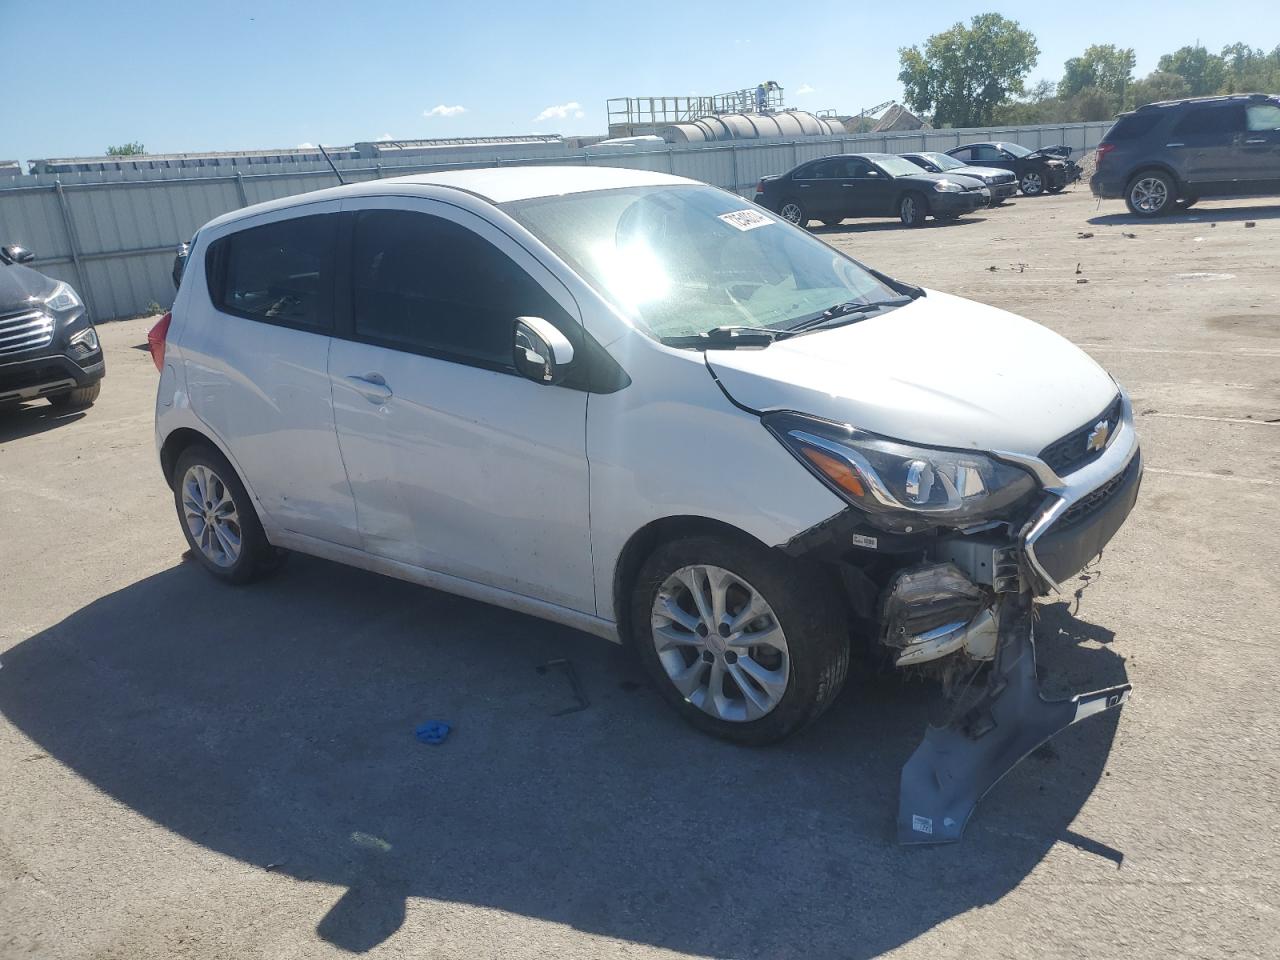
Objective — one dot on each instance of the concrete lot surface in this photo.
(193, 770)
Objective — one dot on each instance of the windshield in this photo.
(896, 166)
(683, 260)
(943, 161)
(1016, 149)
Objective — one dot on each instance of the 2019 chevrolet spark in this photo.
(639, 406)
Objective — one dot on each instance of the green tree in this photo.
(1251, 70)
(963, 74)
(1157, 86)
(126, 150)
(1204, 72)
(1103, 67)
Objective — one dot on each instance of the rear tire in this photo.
(79, 397)
(1186, 203)
(912, 209)
(793, 211)
(218, 518)
(832, 223)
(1151, 193)
(788, 686)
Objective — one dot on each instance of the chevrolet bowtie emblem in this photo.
(1097, 439)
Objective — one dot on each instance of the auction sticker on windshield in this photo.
(746, 219)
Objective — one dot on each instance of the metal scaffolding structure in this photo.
(629, 116)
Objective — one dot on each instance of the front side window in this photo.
(1263, 117)
(280, 272)
(681, 260)
(1210, 120)
(428, 285)
(988, 153)
(964, 155)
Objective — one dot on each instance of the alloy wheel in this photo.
(720, 643)
(1031, 183)
(790, 212)
(211, 515)
(908, 212)
(1150, 194)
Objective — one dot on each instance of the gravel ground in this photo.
(192, 770)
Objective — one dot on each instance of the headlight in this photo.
(63, 299)
(947, 186)
(85, 342)
(899, 485)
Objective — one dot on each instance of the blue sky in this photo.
(185, 76)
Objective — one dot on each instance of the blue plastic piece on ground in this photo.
(433, 732)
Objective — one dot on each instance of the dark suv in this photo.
(48, 346)
(1166, 156)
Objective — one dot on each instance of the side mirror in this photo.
(541, 352)
(180, 263)
(16, 254)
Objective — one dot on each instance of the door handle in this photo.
(372, 386)
(804, 186)
(1255, 141)
(1175, 144)
(847, 186)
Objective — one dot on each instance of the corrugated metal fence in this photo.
(113, 235)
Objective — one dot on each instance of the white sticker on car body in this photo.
(921, 824)
(746, 219)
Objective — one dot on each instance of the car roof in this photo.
(490, 184)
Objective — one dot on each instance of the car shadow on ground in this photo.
(873, 226)
(28, 419)
(275, 724)
(1205, 213)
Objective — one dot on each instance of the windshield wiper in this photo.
(725, 338)
(841, 314)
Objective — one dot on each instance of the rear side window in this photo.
(965, 154)
(279, 273)
(428, 285)
(1264, 116)
(1132, 127)
(1210, 120)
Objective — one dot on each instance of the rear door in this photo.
(256, 355)
(1260, 155)
(458, 464)
(1207, 146)
(818, 189)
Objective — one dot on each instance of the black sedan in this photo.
(868, 185)
(1036, 172)
(1001, 183)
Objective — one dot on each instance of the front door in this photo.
(458, 464)
(872, 189)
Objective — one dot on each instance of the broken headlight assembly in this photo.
(902, 487)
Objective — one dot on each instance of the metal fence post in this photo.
(244, 199)
(82, 278)
(733, 158)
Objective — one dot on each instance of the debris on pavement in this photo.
(1250, 223)
(1083, 235)
(433, 732)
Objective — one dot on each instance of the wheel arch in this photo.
(1159, 165)
(640, 546)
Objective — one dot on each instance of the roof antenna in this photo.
(331, 166)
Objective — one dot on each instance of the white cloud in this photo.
(440, 110)
(384, 137)
(562, 111)
(306, 146)
(805, 88)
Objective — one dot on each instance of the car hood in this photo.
(942, 371)
(19, 284)
(996, 172)
(927, 180)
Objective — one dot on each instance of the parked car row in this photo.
(913, 186)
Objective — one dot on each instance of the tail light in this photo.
(1103, 150)
(155, 340)
(760, 187)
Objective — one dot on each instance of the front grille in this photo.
(1083, 508)
(25, 331)
(1070, 453)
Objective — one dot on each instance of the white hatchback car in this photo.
(639, 406)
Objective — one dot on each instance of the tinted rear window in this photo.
(1211, 120)
(279, 273)
(1132, 127)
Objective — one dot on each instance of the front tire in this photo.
(1031, 183)
(218, 518)
(79, 397)
(1152, 193)
(912, 209)
(744, 645)
(793, 211)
